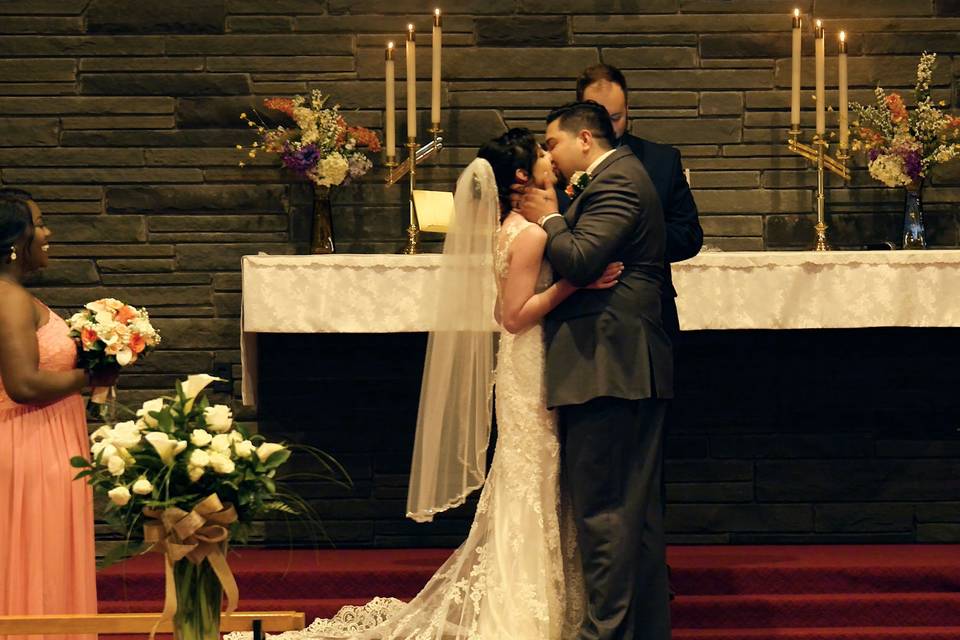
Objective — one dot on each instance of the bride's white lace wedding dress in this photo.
(517, 575)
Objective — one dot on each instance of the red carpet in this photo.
(902, 592)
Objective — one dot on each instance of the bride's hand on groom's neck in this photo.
(535, 202)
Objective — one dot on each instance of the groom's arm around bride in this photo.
(609, 371)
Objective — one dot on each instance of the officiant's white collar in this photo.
(596, 163)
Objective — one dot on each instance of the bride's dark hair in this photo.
(516, 149)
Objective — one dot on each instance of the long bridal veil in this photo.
(453, 422)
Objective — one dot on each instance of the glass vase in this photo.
(321, 234)
(199, 596)
(914, 236)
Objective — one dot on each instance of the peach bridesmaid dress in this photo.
(47, 561)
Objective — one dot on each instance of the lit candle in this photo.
(795, 86)
(411, 83)
(435, 94)
(842, 79)
(391, 124)
(821, 89)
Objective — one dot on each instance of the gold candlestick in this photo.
(415, 155)
(817, 153)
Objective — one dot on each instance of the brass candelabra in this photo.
(817, 154)
(416, 154)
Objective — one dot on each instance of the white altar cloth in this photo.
(375, 293)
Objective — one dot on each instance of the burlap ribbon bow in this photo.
(197, 536)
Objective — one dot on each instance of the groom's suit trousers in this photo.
(612, 459)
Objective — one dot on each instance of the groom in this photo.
(609, 370)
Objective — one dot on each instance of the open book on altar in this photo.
(434, 209)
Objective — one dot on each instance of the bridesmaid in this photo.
(47, 557)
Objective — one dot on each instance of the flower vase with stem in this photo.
(914, 236)
(321, 234)
(199, 598)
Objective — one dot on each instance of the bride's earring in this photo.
(13, 253)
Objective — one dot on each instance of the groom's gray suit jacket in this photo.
(610, 342)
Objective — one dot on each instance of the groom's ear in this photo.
(586, 138)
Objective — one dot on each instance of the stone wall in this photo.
(122, 118)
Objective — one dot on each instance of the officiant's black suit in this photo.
(610, 373)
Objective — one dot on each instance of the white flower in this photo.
(101, 434)
(243, 449)
(104, 447)
(195, 473)
(148, 407)
(119, 496)
(125, 435)
(267, 449)
(218, 417)
(167, 447)
(221, 443)
(199, 458)
(142, 486)
(116, 465)
(193, 385)
(200, 438)
(221, 463)
(236, 436)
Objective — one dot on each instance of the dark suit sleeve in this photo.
(607, 221)
(684, 235)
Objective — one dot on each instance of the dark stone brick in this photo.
(196, 198)
(63, 272)
(650, 57)
(856, 480)
(29, 132)
(591, 6)
(70, 105)
(165, 84)
(259, 24)
(853, 518)
(136, 265)
(211, 333)
(100, 228)
(149, 297)
(278, 45)
(724, 518)
(216, 257)
(518, 32)
(701, 492)
(43, 7)
(248, 223)
(947, 7)
(176, 138)
(38, 70)
(219, 112)
(791, 446)
(170, 16)
(938, 533)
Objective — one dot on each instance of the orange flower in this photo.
(88, 337)
(126, 314)
(280, 104)
(137, 343)
(366, 138)
(898, 110)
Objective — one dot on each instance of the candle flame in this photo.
(796, 13)
(843, 37)
(389, 45)
(819, 24)
(436, 12)
(410, 27)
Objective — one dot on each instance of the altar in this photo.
(375, 293)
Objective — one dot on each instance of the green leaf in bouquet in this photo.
(79, 462)
(276, 459)
(85, 473)
(124, 550)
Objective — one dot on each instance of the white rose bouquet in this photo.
(178, 453)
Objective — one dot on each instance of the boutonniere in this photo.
(578, 182)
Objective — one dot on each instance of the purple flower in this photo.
(874, 154)
(911, 164)
(300, 160)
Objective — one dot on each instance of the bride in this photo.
(517, 575)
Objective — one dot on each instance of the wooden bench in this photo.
(125, 623)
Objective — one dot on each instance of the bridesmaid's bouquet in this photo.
(110, 333)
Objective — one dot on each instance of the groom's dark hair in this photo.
(589, 115)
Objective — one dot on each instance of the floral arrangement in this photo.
(578, 182)
(110, 332)
(902, 146)
(180, 451)
(322, 148)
